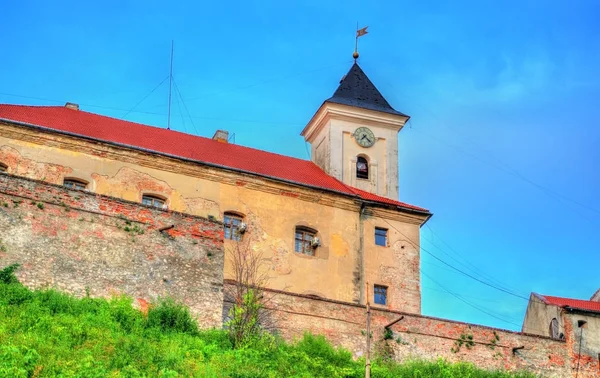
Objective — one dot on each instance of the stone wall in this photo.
(422, 337)
(81, 243)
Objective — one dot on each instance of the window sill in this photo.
(303, 255)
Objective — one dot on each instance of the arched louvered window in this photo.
(362, 168)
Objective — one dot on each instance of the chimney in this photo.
(72, 106)
(221, 136)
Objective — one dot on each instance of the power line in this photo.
(156, 113)
(452, 266)
(469, 303)
(512, 172)
(472, 267)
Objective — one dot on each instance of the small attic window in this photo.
(154, 201)
(3, 167)
(75, 184)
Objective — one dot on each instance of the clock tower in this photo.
(354, 136)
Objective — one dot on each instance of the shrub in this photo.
(7, 274)
(168, 315)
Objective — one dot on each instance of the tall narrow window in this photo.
(75, 184)
(380, 294)
(553, 329)
(3, 167)
(305, 241)
(381, 236)
(153, 201)
(232, 224)
(362, 168)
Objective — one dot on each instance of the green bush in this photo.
(171, 316)
(44, 333)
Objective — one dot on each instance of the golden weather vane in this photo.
(359, 33)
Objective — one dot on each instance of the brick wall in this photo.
(76, 241)
(422, 337)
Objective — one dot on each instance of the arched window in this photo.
(305, 240)
(73, 183)
(3, 167)
(155, 201)
(234, 226)
(553, 329)
(362, 168)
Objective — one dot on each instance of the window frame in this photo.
(234, 233)
(74, 182)
(305, 243)
(377, 295)
(360, 174)
(154, 197)
(3, 168)
(378, 236)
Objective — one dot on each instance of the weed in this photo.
(40, 205)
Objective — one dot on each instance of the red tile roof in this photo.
(580, 304)
(192, 147)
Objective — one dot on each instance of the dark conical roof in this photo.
(357, 90)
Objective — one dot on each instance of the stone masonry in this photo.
(415, 336)
(79, 242)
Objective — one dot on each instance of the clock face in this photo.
(364, 137)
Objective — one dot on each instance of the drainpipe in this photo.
(361, 253)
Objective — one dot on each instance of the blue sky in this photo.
(502, 143)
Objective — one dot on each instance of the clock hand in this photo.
(364, 136)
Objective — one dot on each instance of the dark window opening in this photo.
(553, 329)
(232, 224)
(3, 167)
(381, 236)
(304, 241)
(153, 201)
(75, 184)
(380, 294)
(362, 168)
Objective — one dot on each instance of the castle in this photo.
(101, 205)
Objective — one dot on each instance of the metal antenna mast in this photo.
(170, 88)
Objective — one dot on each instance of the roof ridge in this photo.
(200, 149)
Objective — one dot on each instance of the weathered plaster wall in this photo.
(76, 241)
(422, 337)
(585, 339)
(538, 317)
(537, 321)
(272, 211)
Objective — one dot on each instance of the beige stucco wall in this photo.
(272, 211)
(538, 317)
(334, 148)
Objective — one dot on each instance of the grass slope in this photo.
(44, 333)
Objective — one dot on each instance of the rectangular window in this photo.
(232, 224)
(75, 184)
(381, 236)
(380, 294)
(153, 201)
